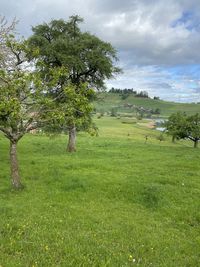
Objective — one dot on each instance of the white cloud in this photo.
(159, 82)
(150, 35)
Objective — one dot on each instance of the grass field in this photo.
(109, 100)
(118, 201)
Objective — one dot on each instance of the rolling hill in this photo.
(107, 101)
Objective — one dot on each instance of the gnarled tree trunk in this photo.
(71, 147)
(16, 183)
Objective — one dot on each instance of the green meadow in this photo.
(120, 200)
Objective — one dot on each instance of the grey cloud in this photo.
(114, 6)
(141, 28)
(143, 31)
(160, 86)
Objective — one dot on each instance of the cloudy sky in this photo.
(158, 41)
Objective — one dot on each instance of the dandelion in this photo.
(132, 259)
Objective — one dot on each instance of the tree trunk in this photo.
(173, 138)
(14, 166)
(71, 147)
(195, 143)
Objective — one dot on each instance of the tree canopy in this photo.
(62, 43)
(181, 126)
(175, 125)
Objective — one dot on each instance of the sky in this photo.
(158, 41)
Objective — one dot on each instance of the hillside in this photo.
(107, 101)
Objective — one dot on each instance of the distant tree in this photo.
(157, 111)
(193, 128)
(113, 112)
(181, 126)
(161, 137)
(143, 94)
(140, 115)
(176, 126)
(122, 92)
(87, 58)
(112, 90)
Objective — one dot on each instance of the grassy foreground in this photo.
(116, 202)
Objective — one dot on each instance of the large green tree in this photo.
(87, 58)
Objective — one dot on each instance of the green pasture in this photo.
(120, 200)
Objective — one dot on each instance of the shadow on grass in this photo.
(148, 195)
(151, 196)
(75, 184)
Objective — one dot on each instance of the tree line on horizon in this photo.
(125, 92)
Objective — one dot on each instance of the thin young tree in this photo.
(24, 101)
